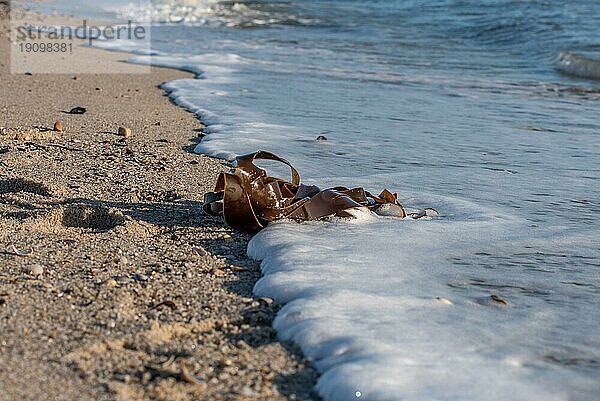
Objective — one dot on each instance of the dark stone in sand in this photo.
(76, 110)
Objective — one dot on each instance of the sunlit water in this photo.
(456, 105)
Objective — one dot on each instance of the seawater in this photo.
(457, 105)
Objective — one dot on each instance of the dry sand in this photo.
(129, 292)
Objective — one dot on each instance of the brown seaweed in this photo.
(248, 199)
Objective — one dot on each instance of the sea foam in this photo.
(387, 310)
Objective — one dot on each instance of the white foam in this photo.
(215, 98)
(382, 310)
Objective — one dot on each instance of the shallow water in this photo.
(458, 105)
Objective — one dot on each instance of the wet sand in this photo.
(125, 290)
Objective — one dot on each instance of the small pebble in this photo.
(198, 250)
(36, 270)
(266, 300)
(227, 237)
(125, 132)
(122, 279)
(247, 391)
(111, 282)
(58, 127)
(217, 272)
(77, 110)
(140, 277)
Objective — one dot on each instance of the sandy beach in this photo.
(114, 285)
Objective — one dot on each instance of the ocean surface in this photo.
(461, 105)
